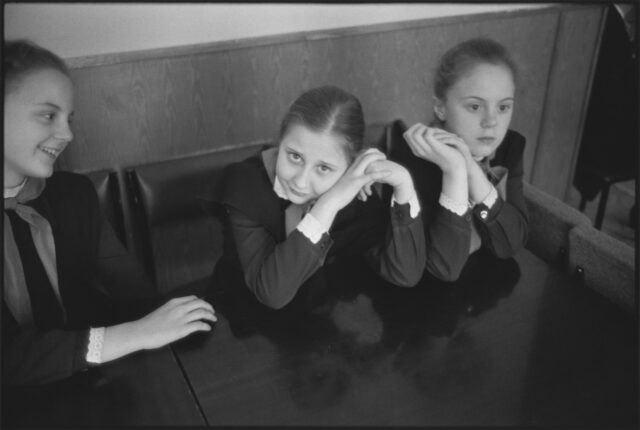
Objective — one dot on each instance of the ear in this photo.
(438, 109)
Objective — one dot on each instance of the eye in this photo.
(294, 156)
(505, 108)
(48, 116)
(324, 169)
(474, 107)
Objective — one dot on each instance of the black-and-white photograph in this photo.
(320, 215)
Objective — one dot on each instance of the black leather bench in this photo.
(180, 241)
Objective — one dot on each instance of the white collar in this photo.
(10, 192)
(278, 188)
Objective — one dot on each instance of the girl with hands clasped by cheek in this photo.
(467, 164)
(57, 319)
(294, 205)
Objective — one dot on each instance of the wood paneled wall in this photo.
(142, 107)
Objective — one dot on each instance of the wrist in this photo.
(474, 170)
(455, 169)
(120, 340)
(403, 193)
(324, 211)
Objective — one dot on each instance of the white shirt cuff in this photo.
(491, 198)
(414, 204)
(311, 228)
(458, 208)
(96, 342)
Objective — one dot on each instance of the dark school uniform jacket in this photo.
(502, 229)
(37, 355)
(275, 265)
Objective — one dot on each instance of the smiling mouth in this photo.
(51, 152)
(297, 193)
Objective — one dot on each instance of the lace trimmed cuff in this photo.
(414, 205)
(311, 228)
(96, 342)
(457, 208)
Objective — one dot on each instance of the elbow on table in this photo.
(270, 299)
(446, 274)
(405, 279)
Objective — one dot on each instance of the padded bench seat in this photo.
(180, 241)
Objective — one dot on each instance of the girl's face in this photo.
(309, 163)
(37, 114)
(479, 106)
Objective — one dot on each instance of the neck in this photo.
(13, 181)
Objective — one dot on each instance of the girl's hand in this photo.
(355, 178)
(479, 185)
(348, 187)
(437, 146)
(174, 320)
(399, 178)
(459, 144)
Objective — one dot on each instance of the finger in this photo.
(417, 131)
(378, 176)
(416, 138)
(362, 195)
(200, 314)
(194, 305)
(181, 300)
(366, 158)
(194, 326)
(440, 133)
(367, 188)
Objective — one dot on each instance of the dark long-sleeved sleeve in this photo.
(447, 235)
(504, 228)
(448, 240)
(399, 257)
(41, 355)
(275, 271)
(32, 356)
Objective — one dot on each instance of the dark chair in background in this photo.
(106, 184)
(117, 265)
(609, 148)
(181, 242)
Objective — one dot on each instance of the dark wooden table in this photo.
(517, 344)
(524, 345)
(145, 388)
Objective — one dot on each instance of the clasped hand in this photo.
(438, 146)
(370, 167)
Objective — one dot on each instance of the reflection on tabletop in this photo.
(349, 323)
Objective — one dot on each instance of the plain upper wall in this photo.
(76, 30)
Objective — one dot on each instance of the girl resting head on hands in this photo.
(294, 204)
(52, 231)
(479, 159)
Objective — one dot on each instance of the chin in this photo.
(298, 200)
(483, 152)
(41, 173)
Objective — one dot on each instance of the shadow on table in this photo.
(81, 400)
(346, 320)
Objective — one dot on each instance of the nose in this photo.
(63, 131)
(301, 179)
(489, 119)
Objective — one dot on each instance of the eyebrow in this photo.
(480, 98)
(291, 147)
(52, 105)
(329, 164)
